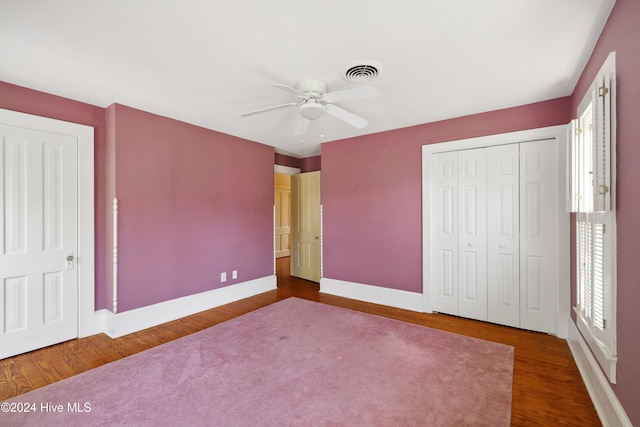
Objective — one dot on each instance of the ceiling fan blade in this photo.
(346, 116)
(264, 110)
(289, 89)
(368, 92)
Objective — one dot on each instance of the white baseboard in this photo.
(374, 294)
(607, 405)
(119, 324)
(100, 321)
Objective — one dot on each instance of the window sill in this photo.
(606, 360)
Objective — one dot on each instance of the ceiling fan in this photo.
(315, 100)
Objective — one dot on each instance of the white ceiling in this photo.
(205, 62)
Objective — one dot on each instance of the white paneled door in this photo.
(38, 187)
(503, 244)
(538, 230)
(459, 219)
(472, 233)
(444, 237)
(493, 229)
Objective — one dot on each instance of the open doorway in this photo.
(282, 219)
(282, 201)
(297, 240)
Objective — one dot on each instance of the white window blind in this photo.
(592, 271)
(597, 257)
(584, 268)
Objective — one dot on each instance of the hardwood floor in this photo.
(547, 387)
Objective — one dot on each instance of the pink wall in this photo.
(284, 160)
(29, 101)
(310, 164)
(109, 195)
(307, 164)
(622, 34)
(371, 193)
(192, 203)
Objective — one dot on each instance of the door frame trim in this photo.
(563, 276)
(86, 216)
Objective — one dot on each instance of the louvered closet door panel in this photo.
(472, 233)
(503, 234)
(538, 206)
(444, 232)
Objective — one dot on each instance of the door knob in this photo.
(470, 244)
(501, 245)
(69, 260)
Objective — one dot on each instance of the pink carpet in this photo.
(293, 363)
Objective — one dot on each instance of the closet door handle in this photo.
(501, 245)
(470, 244)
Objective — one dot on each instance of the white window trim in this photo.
(603, 211)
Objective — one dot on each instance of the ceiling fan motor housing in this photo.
(312, 108)
(313, 87)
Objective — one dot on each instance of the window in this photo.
(591, 195)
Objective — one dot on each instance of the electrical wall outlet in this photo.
(234, 275)
(223, 276)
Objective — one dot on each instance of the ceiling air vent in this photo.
(361, 72)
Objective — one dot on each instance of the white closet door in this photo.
(472, 235)
(444, 232)
(538, 207)
(503, 234)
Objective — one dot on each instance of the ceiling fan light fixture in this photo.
(311, 110)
